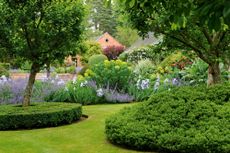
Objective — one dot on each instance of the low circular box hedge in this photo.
(183, 120)
(46, 114)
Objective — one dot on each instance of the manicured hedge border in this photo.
(38, 115)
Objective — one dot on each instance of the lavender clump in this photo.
(115, 96)
(12, 91)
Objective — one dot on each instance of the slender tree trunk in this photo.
(29, 86)
(48, 71)
(214, 75)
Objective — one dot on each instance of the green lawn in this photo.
(86, 136)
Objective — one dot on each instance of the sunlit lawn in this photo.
(86, 136)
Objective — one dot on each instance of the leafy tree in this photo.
(126, 35)
(198, 25)
(40, 31)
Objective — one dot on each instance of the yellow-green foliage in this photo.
(174, 57)
(96, 59)
(91, 48)
(114, 73)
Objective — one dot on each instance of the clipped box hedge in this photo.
(183, 120)
(38, 115)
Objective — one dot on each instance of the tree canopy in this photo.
(195, 25)
(40, 31)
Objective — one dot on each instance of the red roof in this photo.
(107, 40)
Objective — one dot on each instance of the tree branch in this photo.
(197, 50)
(206, 34)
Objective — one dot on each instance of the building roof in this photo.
(107, 40)
(149, 40)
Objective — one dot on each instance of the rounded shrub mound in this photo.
(96, 59)
(38, 115)
(184, 120)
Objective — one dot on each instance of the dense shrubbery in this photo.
(112, 52)
(96, 59)
(185, 120)
(90, 48)
(4, 71)
(38, 115)
(114, 73)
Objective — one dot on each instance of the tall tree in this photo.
(198, 25)
(40, 31)
(102, 16)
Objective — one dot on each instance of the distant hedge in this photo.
(38, 115)
(183, 120)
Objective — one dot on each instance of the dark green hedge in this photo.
(38, 115)
(184, 120)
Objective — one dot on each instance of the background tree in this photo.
(195, 25)
(40, 31)
(102, 16)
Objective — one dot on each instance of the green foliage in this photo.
(91, 48)
(40, 32)
(144, 68)
(126, 36)
(4, 71)
(103, 16)
(139, 94)
(38, 115)
(60, 70)
(196, 73)
(115, 74)
(5, 65)
(42, 29)
(96, 59)
(153, 53)
(71, 69)
(195, 25)
(26, 65)
(185, 119)
(77, 92)
(171, 59)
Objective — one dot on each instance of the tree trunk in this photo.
(214, 75)
(29, 86)
(48, 71)
(227, 67)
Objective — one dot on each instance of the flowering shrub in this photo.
(114, 73)
(112, 52)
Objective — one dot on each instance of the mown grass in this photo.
(86, 136)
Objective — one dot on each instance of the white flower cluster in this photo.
(83, 84)
(157, 84)
(100, 92)
(3, 79)
(143, 84)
